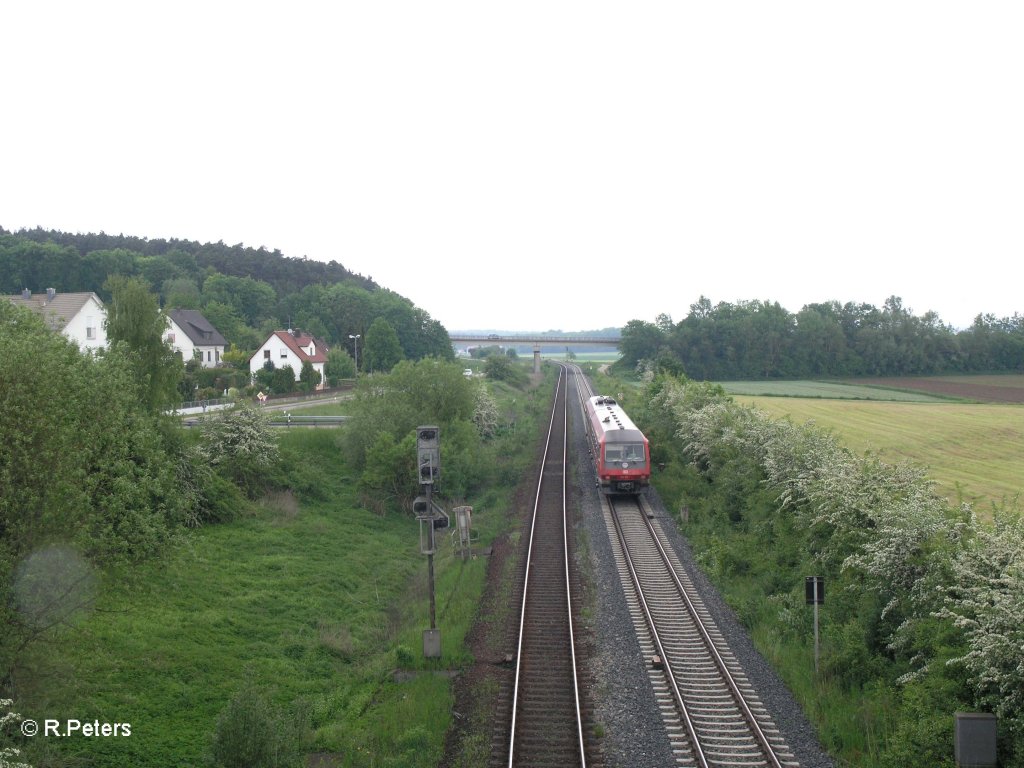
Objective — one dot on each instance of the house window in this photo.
(284, 354)
(170, 337)
(266, 354)
(90, 333)
(209, 356)
(90, 327)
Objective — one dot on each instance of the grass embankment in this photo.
(316, 601)
(974, 452)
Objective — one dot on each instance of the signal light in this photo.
(428, 454)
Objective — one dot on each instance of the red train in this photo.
(621, 453)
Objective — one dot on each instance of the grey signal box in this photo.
(814, 590)
(974, 740)
(428, 454)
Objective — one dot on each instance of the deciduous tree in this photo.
(382, 349)
(135, 327)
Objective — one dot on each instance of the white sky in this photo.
(539, 165)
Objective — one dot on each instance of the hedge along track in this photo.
(546, 723)
(711, 711)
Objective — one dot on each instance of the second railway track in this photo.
(546, 727)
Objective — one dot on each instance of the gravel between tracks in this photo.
(634, 736)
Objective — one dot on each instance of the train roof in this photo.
(612, 419)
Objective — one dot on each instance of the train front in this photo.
(625, 465)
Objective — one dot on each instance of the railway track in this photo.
(712, 713)
(546, 724)
(710, 710)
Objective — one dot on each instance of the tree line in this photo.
(246, 293)
(285, 274)
(761, 339)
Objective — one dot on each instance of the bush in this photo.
(501, 368)
(309, 377)
(253, 733)
(241, 443)
(340, 365)
(282, 381)
(221, 500)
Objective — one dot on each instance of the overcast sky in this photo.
(541, 165)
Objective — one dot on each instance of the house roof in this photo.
(57, 310)
(199, 330)
(296, 341)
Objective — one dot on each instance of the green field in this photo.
(605, 356)
(974, 452)
(825, 389)
(341, 408)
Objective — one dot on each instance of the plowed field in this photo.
(983, 389)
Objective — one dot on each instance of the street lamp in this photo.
(355, 339)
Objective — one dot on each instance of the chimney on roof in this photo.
(26, 294)
(297, 333)
(50, 293)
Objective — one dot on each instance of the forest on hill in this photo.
(245, 292)
(762, 340)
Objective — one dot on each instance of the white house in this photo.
(194, 337)
(79, 316)
(291, 347)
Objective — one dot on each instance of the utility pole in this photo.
(355, 345)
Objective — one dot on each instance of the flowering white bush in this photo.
(882, 525)
(240, 434)
(485, 412)
(243, 445)
(7, 753)
(986, 601)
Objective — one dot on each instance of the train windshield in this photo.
(616, 453)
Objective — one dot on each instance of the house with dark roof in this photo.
(194, 337)
(79, 316)
(291, 347)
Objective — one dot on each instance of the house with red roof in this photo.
(291, 347)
